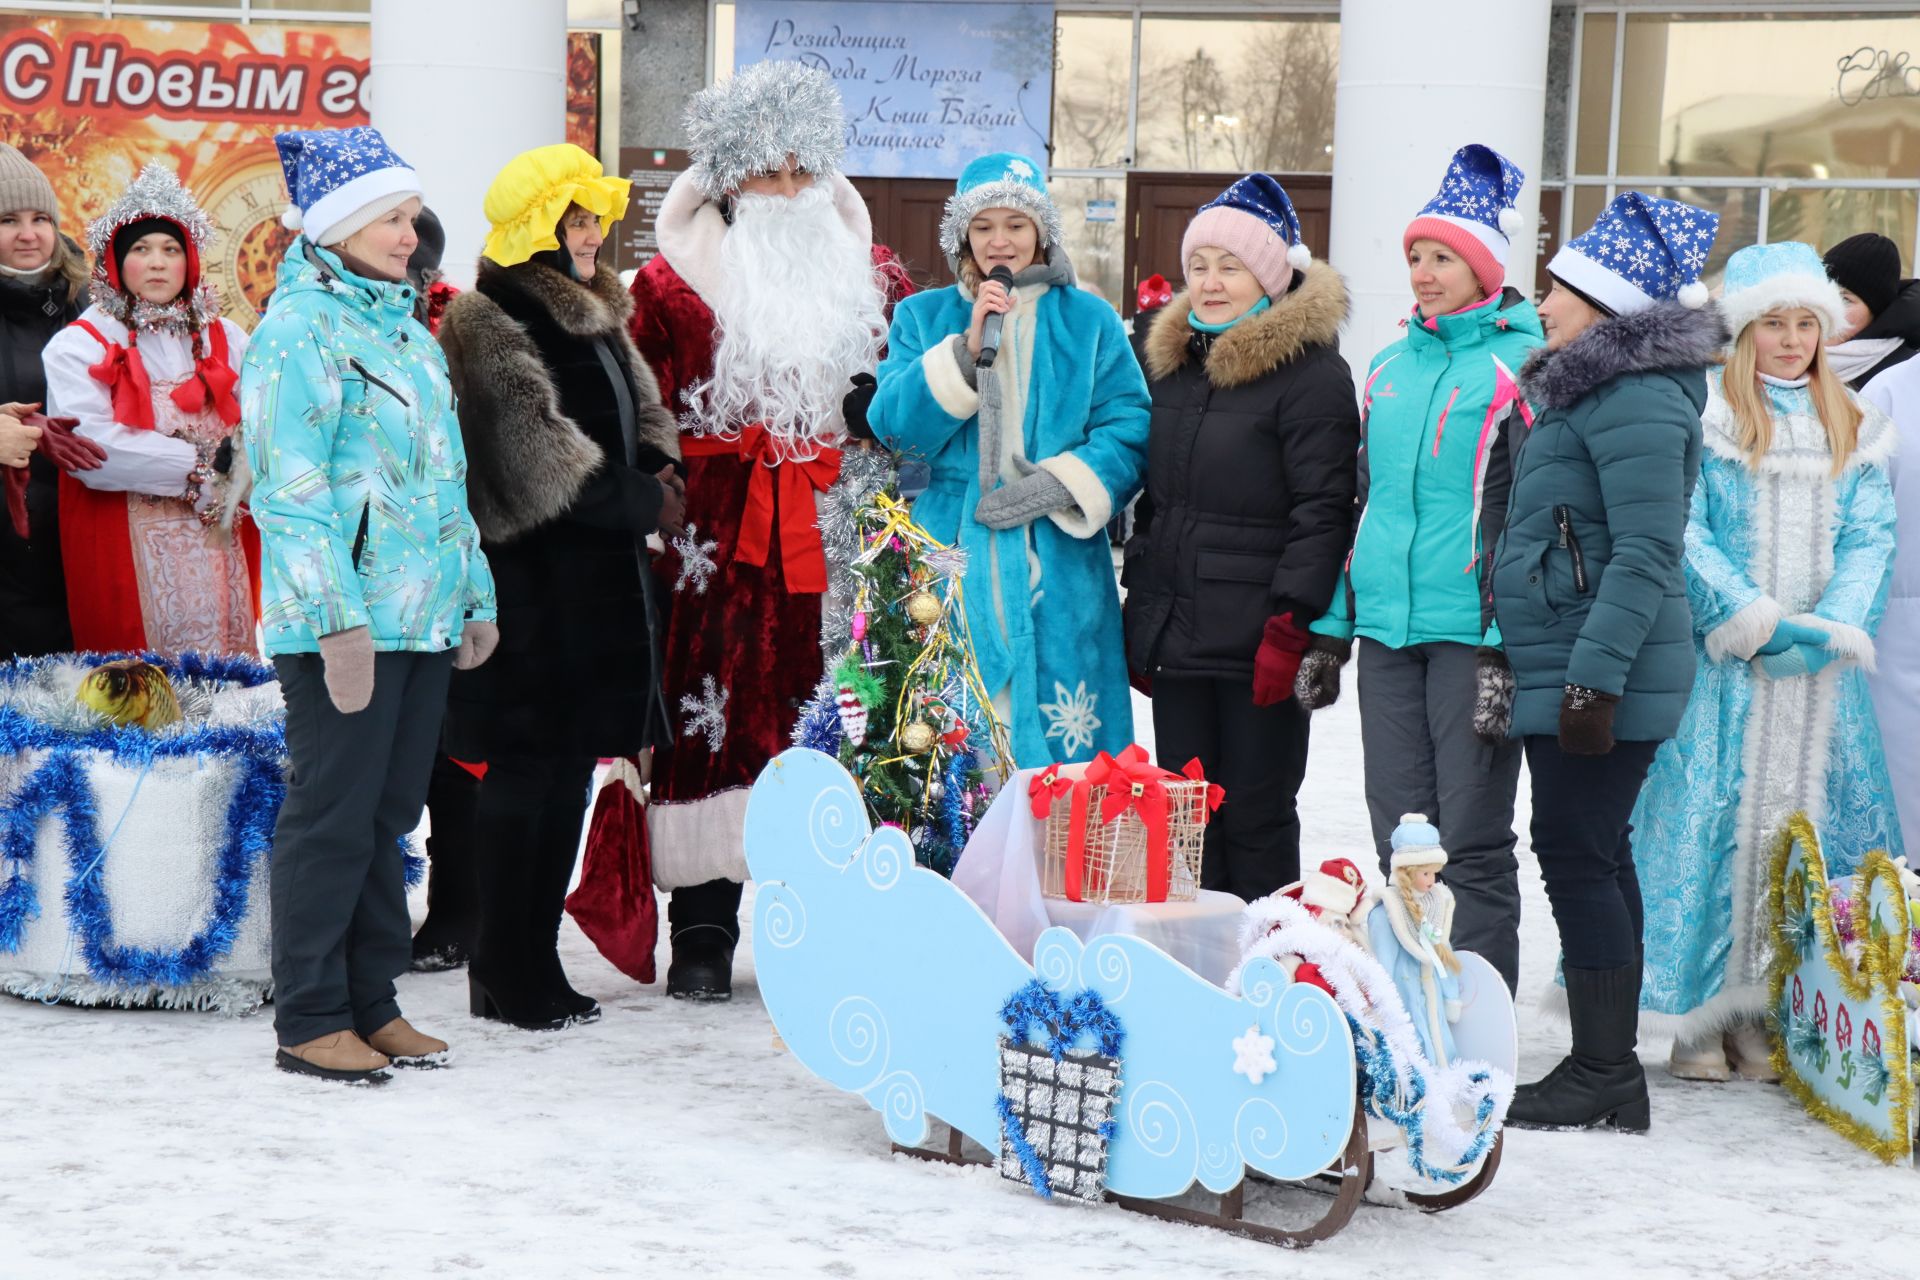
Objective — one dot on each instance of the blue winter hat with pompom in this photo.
(341, 180)
(1000, 180)
(1643, 249)
(1416, 843)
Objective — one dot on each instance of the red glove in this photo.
(1282, 644)
(63, 448)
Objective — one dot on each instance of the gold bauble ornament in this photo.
(924, 608)
(919, 736)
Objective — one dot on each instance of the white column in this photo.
(459, 88)
(1411, 93)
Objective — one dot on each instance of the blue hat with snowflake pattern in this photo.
(999, 180)
(1473, 212)
(1641, 250)
(341, 180)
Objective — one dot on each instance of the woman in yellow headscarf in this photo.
(572, 462)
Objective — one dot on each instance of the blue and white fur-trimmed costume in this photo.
(1065, 398)
(1791, 541)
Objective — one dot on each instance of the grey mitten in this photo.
(1317, 684)
(1022, 502)
(347, 658)
(1493, 689)
(478, 640)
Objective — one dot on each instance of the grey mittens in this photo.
(1023, 501)
(347, 658)
(1317, 684)
(478, 640)
(1492, 695)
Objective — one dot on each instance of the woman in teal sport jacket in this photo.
(1441, 416)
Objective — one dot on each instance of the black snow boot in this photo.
(1601, 1083)
(702, 965)
(445, 939)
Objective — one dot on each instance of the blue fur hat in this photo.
(1001, 180)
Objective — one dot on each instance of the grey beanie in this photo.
(23, 186)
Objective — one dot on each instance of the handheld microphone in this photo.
(990, 331)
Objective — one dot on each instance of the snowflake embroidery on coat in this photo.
(706, 714)
(696, 560)
(1071, 718)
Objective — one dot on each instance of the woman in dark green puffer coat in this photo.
(1591, 598)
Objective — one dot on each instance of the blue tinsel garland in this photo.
(1023, 1150)
(1384, 1094)
(1036, 1007)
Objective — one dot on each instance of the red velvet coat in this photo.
(757, 641)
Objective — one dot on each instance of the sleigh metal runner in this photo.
(1103, 1071)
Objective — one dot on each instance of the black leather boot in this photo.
(1601, 1083)
(702, 965)
(445, 939)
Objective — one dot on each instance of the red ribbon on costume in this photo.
(124, 374)
(804, 558)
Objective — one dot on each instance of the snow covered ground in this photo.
(670, 1140)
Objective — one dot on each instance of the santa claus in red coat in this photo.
(767, 296)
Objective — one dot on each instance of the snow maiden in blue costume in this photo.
(1789, 551)
(1031, 456)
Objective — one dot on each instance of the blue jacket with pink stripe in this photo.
(1441, 418)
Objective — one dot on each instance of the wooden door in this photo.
(906, 218)
(1161, 205)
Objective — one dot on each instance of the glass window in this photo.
(1092, 61)
(1596, 94)
(1093, 214)
(266, 7)
(1824, 217)
(1587, 204)
(1739, 210)
(1777, 96)
(1235, 95)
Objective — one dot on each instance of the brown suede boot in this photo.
(408, 1047)
(340, 1056)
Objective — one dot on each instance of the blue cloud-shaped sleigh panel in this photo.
(885, 980)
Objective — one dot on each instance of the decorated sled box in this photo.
(133, 857)
(1102, 1069)
(1847, 1034)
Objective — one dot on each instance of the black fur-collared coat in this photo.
(1251, 474)
(562, 516)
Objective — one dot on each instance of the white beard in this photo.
(801, 311)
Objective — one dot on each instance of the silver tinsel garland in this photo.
(864, 474)
(750, 124)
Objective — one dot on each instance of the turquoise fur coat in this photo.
(1788, 541)
(1041, 601)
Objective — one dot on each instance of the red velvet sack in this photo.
(614, 905)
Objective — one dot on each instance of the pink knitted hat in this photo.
(1255, 222)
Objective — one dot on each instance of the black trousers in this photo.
(1259, 755)
(1584, 842)
(338, 877)
(452, 795)
(528, 817)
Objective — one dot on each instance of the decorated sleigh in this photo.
(1847, 1033)
(1101, 1070)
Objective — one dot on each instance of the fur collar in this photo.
(1877, 440)
(1664, 336)
(526, 460)
(600, 306)
(690, 227)
(1309, 316)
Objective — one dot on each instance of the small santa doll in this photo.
(1407, 931)
(1336, 895)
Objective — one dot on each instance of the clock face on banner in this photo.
(244, 194)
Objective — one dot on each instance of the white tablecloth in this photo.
(1000, 871)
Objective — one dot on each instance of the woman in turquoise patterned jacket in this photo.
(1789, 556)
(374, 588)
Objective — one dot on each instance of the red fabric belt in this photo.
(779, 485)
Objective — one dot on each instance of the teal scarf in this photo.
(1201, 326)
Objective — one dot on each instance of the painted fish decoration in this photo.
(130, 692)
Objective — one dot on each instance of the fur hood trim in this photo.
(601, 306)
(690, 227)
(1663, 336)
(526, 460)
(1876, 442)
(1309, 316)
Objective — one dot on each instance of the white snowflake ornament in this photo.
(1253, 1055)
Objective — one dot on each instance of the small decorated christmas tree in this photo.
(901, 704)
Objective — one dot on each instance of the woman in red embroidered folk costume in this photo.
(151, 370)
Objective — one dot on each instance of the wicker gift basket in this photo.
(1115, 824)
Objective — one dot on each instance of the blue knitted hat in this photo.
(1416, 843)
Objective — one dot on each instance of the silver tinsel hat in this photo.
(155, 193)
(750, 124)
(1001, 180)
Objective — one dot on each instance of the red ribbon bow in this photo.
(124, 375)
(210, 387)
(1215, 792)
(1132, 782)
(1045, 787)
(804, 558)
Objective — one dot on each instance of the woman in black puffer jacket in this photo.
(1247, 515)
